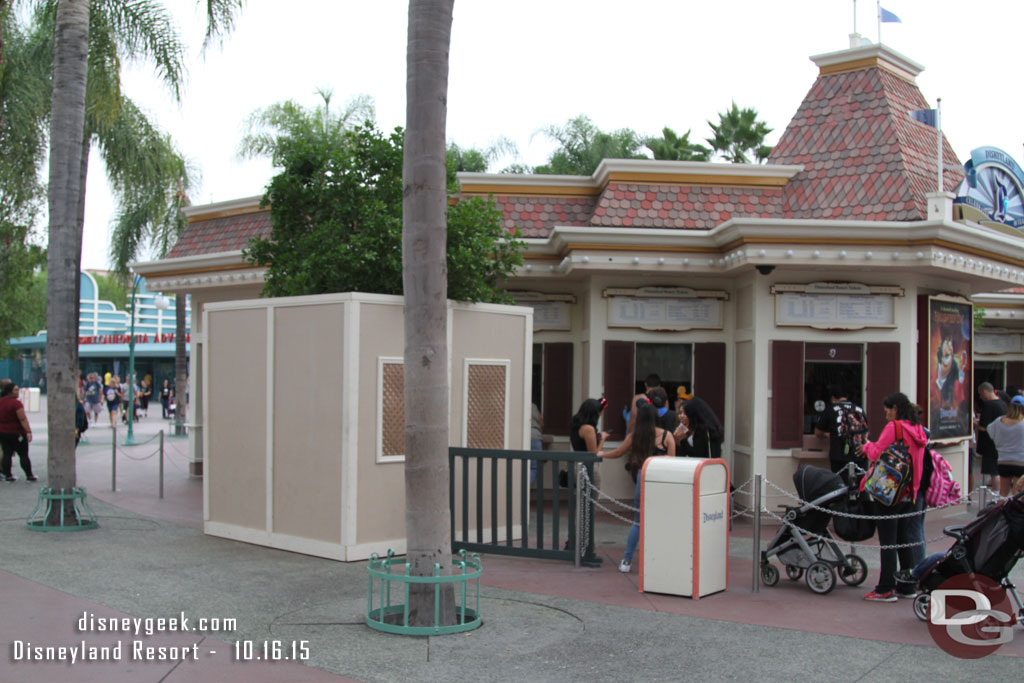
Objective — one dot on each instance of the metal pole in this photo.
(756, 586)
(576, 473)
(130, 439)
(113, 459)
(161, 463)
(983, 498)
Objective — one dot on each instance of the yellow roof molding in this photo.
(867, 57)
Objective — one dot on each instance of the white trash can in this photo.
(684, 526)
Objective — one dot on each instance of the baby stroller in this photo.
(989, 546)
(804, 545)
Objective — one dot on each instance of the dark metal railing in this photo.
(466, 464)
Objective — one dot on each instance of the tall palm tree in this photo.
(424, 277)
(674, 147)
(123, 30)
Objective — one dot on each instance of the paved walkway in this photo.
(543, 620)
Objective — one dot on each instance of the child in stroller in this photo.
(804, 543)
(989, 546)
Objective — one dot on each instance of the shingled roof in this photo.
(221, 232)
(864, 156)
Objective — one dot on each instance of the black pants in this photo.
(11, 444)
(894, 532)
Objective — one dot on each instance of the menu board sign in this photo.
(835, 305)
(664, 313)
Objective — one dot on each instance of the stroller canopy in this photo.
(814, 482)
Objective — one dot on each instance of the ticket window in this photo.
(552, 385)
(827, 364)
(673, 363)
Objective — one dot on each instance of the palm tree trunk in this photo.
(180, 366)
(64, 253)
(424, 277)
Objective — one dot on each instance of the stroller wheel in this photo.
(855, 572)
(921, 604)
(820, 578)
(794, 572)
(769, 575)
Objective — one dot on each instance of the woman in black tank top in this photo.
(646, 439)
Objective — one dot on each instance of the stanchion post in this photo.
(161, 464)
(983, 498)
(113, 458)
(579, 512)
(756, 540)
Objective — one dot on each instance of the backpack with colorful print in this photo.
(852, 427)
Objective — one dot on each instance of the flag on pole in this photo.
(888, 17)
(928, 117)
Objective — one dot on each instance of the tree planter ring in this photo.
(394, 618)
(82, 520)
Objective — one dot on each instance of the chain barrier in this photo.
(826, 539)
(837, 513)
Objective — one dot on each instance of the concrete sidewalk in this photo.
(543, 620)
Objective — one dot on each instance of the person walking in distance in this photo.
(15, 432)
(992, 407)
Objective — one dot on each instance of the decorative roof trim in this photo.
(636, 171)
(867, 57)
(232, 207)
(188, 265)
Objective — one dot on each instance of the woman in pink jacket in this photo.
(898, 410)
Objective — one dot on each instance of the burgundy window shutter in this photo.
(709, 375)
(787, 419)
(557, 392)
(1014, 373)
(883, 373)
(619, 358)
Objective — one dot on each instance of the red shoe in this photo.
(875, 596)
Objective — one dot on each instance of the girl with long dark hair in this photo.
(646, 439)
(705, 429)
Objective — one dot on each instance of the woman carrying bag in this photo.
(901, 425)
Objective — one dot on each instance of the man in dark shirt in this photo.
(830, 424)
(992, 408)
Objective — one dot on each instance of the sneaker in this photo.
(624, 567)
(32, 478)
(875, 596)
(11, 478)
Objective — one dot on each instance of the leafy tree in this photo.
(738, 134)
(336, 212)
(673, 147)
(24, 105)
(111, 288)
(582, 147)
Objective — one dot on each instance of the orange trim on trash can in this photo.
(696, 524)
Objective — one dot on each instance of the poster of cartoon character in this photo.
(950, 394)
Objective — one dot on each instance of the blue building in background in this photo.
(103, 336)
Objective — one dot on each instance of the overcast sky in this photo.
(518, 67)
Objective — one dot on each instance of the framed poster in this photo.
(950, 384)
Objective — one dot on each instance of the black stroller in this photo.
(804, 545)
(990, 546)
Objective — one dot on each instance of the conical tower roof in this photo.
(864, 156)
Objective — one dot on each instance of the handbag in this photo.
(890, 475)
(854, 529)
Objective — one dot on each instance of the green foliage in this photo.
(336, 212)
(112, 288)
(738, 134)
(673, 147)
(582, 147)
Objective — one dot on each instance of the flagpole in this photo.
(878, 16)
(938, 130)
(855, 15)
